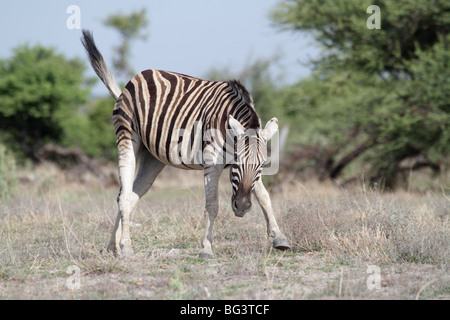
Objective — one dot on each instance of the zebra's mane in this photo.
(254, 121)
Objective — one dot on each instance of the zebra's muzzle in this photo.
(241, 206)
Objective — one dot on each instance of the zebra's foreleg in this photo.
(279, 240)
(211, 178)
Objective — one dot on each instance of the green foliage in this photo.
(130, 25)
(40, 92)
(340, 27)
(93, 131)
(100, 140)
(379, 95)
(8, 174)
(44, 99)
(428, 98)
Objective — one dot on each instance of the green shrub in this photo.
(8, 173)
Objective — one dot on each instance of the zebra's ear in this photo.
(270, 129)
(236, 126)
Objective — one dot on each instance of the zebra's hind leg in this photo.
(128, 149)
(279, 240)
(113, 246)
(149, 168)
(211, 177)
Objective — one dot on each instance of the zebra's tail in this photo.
(99, 64)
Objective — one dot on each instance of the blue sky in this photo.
(190, 37)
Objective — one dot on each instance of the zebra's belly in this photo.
(179, 156)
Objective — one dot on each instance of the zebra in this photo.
(159, 116)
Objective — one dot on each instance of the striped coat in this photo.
(171, 113)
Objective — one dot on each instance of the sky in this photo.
(190, 37)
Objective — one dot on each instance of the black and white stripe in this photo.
(158, 105)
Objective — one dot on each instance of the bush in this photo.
(8, 173)
(93, 132)
(41, 91)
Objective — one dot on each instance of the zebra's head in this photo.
(249, 158)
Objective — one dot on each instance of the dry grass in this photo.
(369, 225)
(51, 224)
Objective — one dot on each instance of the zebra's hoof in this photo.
(280, 244)
(126, 251)
(112, 249)
(204, 255)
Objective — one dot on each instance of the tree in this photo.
(376, 95)
(130, 28)
(40, 92)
